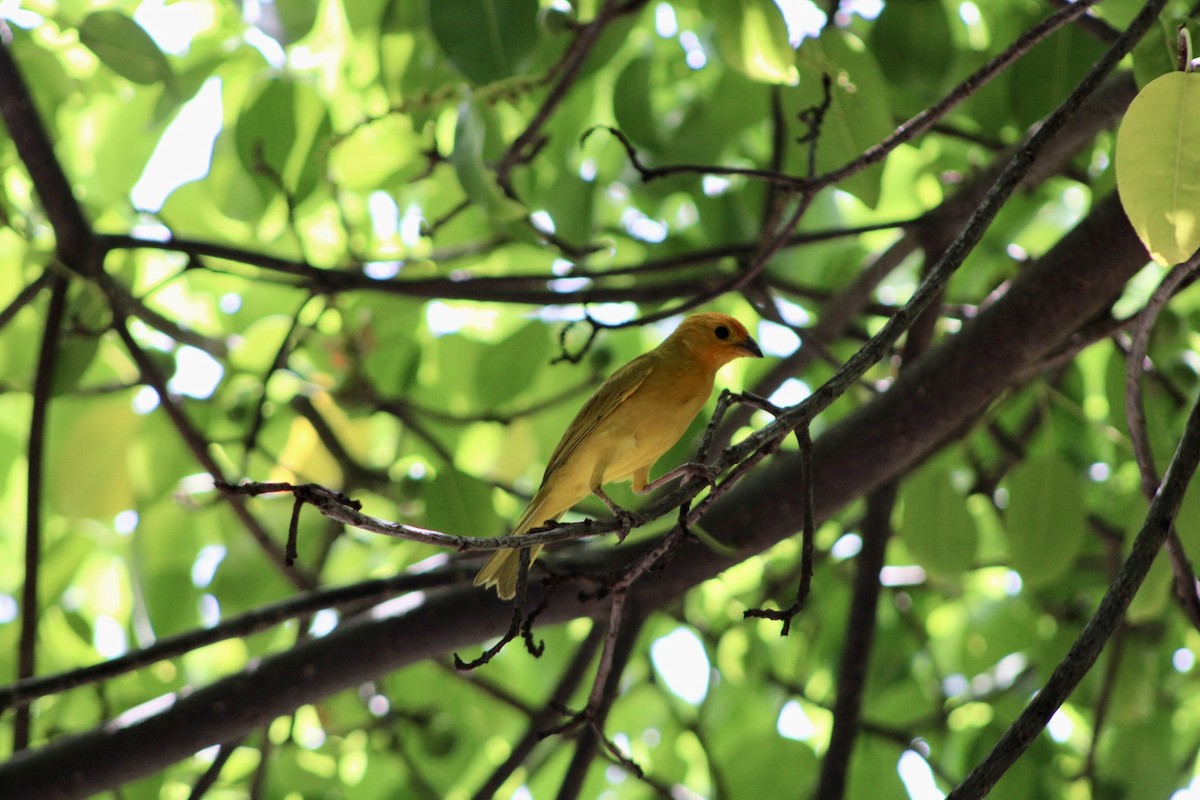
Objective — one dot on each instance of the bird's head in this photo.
(713, 338)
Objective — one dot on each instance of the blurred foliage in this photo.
(394, 333)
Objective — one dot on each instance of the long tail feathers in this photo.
(501, 571)
(502, 568)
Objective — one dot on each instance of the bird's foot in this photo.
(627, 519)
(683, 473)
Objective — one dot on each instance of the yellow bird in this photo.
(632, 419)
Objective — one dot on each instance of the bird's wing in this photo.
(611, 394)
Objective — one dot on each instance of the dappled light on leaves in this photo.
(301, 297)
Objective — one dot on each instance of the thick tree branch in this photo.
(928, 404)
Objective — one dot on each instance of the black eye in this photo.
(722, 332)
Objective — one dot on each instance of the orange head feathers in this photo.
(632, 419)
(711, 338)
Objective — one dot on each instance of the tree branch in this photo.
(926, 405)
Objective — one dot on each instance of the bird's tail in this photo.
(502, 568)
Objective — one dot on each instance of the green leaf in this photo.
(632, 106)
(373, 155)
(1044, 519)
(858, 115)
(460, 504)
(1158, 166)
(86, 433)
(1048, 73)
(937, 528)
(125, 48)
(488, 40)
(478, 181)
(910, 41)
(508, 368)
(753, 38)
(282, 139)
(296, 17)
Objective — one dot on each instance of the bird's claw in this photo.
(706, 472)
(628, 520)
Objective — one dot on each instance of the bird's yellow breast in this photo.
(639, 430)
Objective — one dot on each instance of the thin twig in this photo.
(1186, 587)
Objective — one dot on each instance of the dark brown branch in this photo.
(939, 275)
(907, 131)
(199, 450)
(859, 640)
(568, 70)
(27, 690)
(618, 648)
(43, 385)
(1186, 589)
(1064, 289)
(568, 682)
(72, 232)
(1091, 641)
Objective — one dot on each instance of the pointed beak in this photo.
(751, 347)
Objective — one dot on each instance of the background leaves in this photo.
(365, 282)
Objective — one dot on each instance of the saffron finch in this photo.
(632, 419)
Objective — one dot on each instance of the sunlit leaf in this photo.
(753, 38)
(460, 504)
(509, 367)
(855, 114)
(1158, 166)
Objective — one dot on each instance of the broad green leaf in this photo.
(749, 764)
(633, 107)
(282, 139)
(296, 18)
(753, 38)
(910, 40)
(459, 504)
(507, 369)
(1158, 166)
(478, 181)
(59, 565)
(1048, 73)
(125, 48)
(1044, 519)
(375, 154)
(1154, 595)
(723, 112)
(858, 115)
(487, 40)
(1139, 772)
(88, 433)
(570, 202)
(937, 528)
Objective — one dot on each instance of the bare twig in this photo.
(1186, 587)
(558, 699)
(199, 449)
